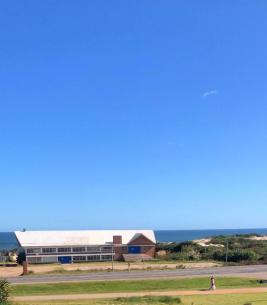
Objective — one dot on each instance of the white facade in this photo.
(74, 246)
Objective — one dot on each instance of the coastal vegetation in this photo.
(237, 249)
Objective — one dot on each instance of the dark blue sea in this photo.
(185, 235)
(8, 240)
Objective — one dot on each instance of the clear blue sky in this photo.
(133, 114)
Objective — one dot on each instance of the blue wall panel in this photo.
(134, 249)
(64, 259)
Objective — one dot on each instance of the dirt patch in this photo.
(96, 267)
(10, 271)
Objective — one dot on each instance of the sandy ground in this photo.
(137, 294)
(90, 267)
(205, 242)
(258, 238)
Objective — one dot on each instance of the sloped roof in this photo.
(137, 235)
(77, 238)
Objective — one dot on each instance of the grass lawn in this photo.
(130, 286)
(238, 299)
(254, 299)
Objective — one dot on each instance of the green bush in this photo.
(150, 300)
(240, 255)
(4, 291)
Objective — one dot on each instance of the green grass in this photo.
(130, 286)
(254, 299)
(229, 299)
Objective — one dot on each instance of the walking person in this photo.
(212, 283)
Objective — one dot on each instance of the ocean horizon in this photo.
(8, 240)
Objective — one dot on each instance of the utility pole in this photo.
(226, 253)
(112, 257)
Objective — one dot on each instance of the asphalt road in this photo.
(259, 271)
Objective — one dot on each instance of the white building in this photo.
(82, 246)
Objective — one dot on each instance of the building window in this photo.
(93, 257)
(106, 249)
(94, 249)
(124, 249)
(49, 259)
(34, 260)
(64, 250)
(49, 250)
(78, 249)
(33, 250)
(79, 258)
(106, 257)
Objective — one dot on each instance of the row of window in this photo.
(69, 250)
(75, 259)
(84, 258)
(104, 249)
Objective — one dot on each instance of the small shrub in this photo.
(180, 266)
(169, 300)
(4, 291)
(150, 300)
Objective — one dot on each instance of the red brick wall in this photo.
(148, 248)
(149, 251)
(117, 240)
(118, 253)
